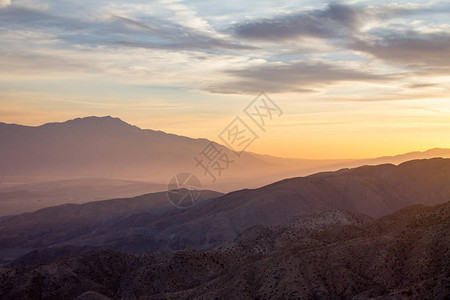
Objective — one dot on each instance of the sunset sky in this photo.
(354, 78)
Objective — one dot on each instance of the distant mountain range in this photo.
(97, 158)
(150, 223)
(106, 147)
(327, 255)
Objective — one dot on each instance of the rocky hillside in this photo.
(329, 255)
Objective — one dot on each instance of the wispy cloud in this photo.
(272, 45)
(411, 48)
(301, 76)
(333, 22)
(113, 30)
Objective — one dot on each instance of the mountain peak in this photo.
(96, 119)
(93, 121)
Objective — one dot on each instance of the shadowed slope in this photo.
(402, 255)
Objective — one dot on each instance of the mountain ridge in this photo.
(116, 120)
(400, 256)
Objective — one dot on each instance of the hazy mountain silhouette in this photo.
(80, 160)
(375, 191)
(87, 159)
(106, 147)
(346, 256)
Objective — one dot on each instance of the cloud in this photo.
(301, 51)
(417, 50)
(117, 31)
(4, 3)
(135, 24)
(176, 37)
(302, 76)
(332, 22)
(394, 10)
(15, 17)
(335, 21)
(366, 29)
(422, 85)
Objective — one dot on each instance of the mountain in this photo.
(398, 159)
(327, 255)
(94, 158)
(102, 147)
(57, 225)
(107, 147)
(371, 190)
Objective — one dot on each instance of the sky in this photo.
(354, 79)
